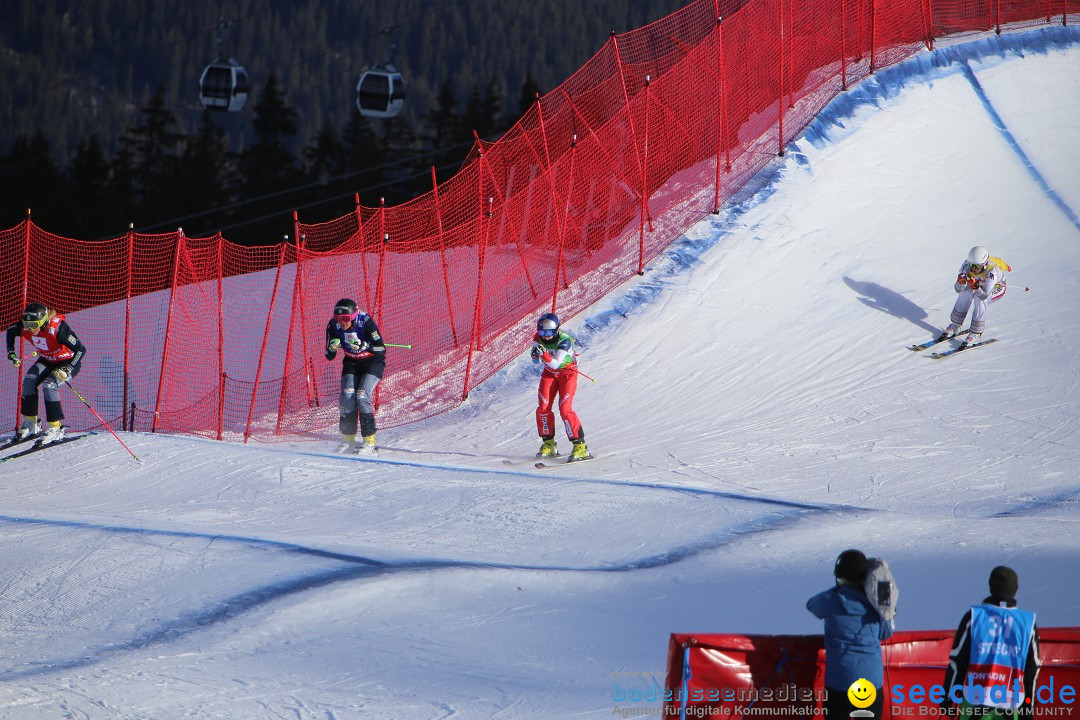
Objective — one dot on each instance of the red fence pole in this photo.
(168, 328)
(314, 385)
(25, 302)
(780, 149)
(385, 237)
(721, 113)
(843, 46)
(363, 252)
(549, 171)
(644, 185)
(301, 250)
(613, 165)
(309, 379)
(928, 22)
(637, 149)
(292, 323)
(559, 266)
(873, 36)
(478, 307)
(221, 336)
(262, 350)
(505, 214)
(442, 252)
(127, 324)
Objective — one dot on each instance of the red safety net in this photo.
(743, 676)
(662, 125)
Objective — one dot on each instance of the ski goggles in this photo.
(547, 333)
(344, 318)
(33, 324)
(976, 268)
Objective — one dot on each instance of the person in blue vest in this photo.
(995, 655)
(357, 336)
(853, 634)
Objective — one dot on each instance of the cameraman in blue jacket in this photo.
(853, 634)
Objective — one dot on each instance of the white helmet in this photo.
(978, 255)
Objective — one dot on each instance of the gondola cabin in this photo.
(380, 92)
(224, 86)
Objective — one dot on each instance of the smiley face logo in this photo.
(862, 694)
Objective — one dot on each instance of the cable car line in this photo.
(306, 186)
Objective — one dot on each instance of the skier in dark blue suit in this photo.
(357, 336)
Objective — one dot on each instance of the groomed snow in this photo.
(756, 412)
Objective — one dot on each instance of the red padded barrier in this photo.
(741, 676)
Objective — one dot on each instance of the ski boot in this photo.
(348, 444)
(971, 339)
(54, 431)
(367, 447)
(580, 452)
(548, 449)
(27, 428)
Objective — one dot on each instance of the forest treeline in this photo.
(101, 124)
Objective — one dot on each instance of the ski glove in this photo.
(963, 281)
(334, 345)
(62, 373)
(536, 351)
(356, 346)
(14, 359)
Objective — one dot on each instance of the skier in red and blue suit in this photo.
(554, 347)
(60, 355)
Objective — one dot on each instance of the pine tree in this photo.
(529, 92)
(268, 165)
(267, 168)
(443, 122)
(31, 180)
(364, 158)
(154, 151)
(94, 209)
(206, 173)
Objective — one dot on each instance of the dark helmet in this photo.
(34, 316)
(850, 565)
(547, 326)
(346, 309)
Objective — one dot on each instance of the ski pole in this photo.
(407, 347)
(586, 376)
(78, 395)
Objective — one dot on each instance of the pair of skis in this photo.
(37, 444)
(544, 463)
(948, 353)
(540, 464)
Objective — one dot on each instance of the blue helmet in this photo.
(547, 327)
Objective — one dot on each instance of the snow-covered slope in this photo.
(756, 412)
